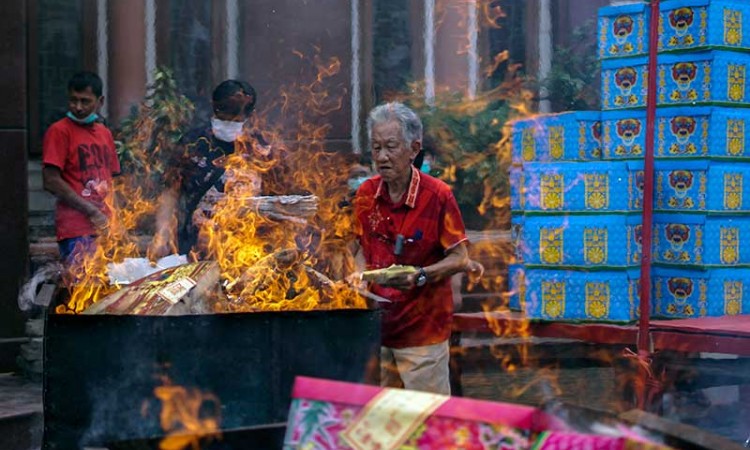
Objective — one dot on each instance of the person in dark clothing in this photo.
(199, 176)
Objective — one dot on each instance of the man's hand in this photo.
(99, 220)
(475, 270)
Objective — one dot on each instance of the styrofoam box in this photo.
(580, 187)
(578, 295)
(584, 240)
(679, 293)
(704, 78)
(570, 136)
(701, 240)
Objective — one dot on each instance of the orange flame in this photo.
(188, 416)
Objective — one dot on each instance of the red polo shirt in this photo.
(428, 218)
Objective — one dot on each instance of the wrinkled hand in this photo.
(403, 282)
(475, 270)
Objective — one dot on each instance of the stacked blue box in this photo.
(683, 25)
(699, 293)
(568, 136)
(606, 241)
(579, 187)
(702, 165)
(681, 132)
(703, 78)
(580, 295)
(701, 240)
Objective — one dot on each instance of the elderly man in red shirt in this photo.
(409, 218)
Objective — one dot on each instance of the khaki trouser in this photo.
(417, 368)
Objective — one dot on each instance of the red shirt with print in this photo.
(86, 157)
(429, 220)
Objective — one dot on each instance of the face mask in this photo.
(88, 120)
(226, 130)
(426, 167)
(355, 183)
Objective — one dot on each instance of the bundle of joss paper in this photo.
(337, 415)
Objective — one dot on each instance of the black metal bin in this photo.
(101, 371)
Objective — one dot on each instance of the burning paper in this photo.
(132, 269)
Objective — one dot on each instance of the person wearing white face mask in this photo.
(199, 177)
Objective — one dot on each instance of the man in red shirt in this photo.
(79, 160)
(405, 217)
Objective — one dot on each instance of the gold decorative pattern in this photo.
(553, 192)
(528, 144)
(597, 300)
(551, 245)
(553, 299)
(730, 245)
(596, 191)
(704, 26)
(732, 191)
(582, 140)
(732, 297)
(736, 82)
(732, 27)
(735, 137)
(556, 142)
(595, 245)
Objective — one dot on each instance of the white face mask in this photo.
(226, 130)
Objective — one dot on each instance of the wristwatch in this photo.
(421, 277)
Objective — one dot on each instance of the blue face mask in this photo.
(88, 120)
(355, 183)
(426, 167)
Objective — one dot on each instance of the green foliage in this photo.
(147, 140)
(466, 136)
(573, 82)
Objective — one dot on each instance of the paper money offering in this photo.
(384, 276)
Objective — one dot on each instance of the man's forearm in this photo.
(454, 262)
(60, 189)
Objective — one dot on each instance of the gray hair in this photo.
(411, 125)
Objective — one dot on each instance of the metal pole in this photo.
(644, 347)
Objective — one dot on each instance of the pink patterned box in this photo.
(336, 415)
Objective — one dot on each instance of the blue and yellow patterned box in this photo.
(578, 295)
(715, 76)
(712, 132)
(701, 240)
(599, 241)
(698, 293)
(623, 30)
(623, 134)
(570, 136)
(691, 24)
(581, 187)
(701, 78)
(702, 186)
(516, 188)
(624, 83)
(517, 285)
